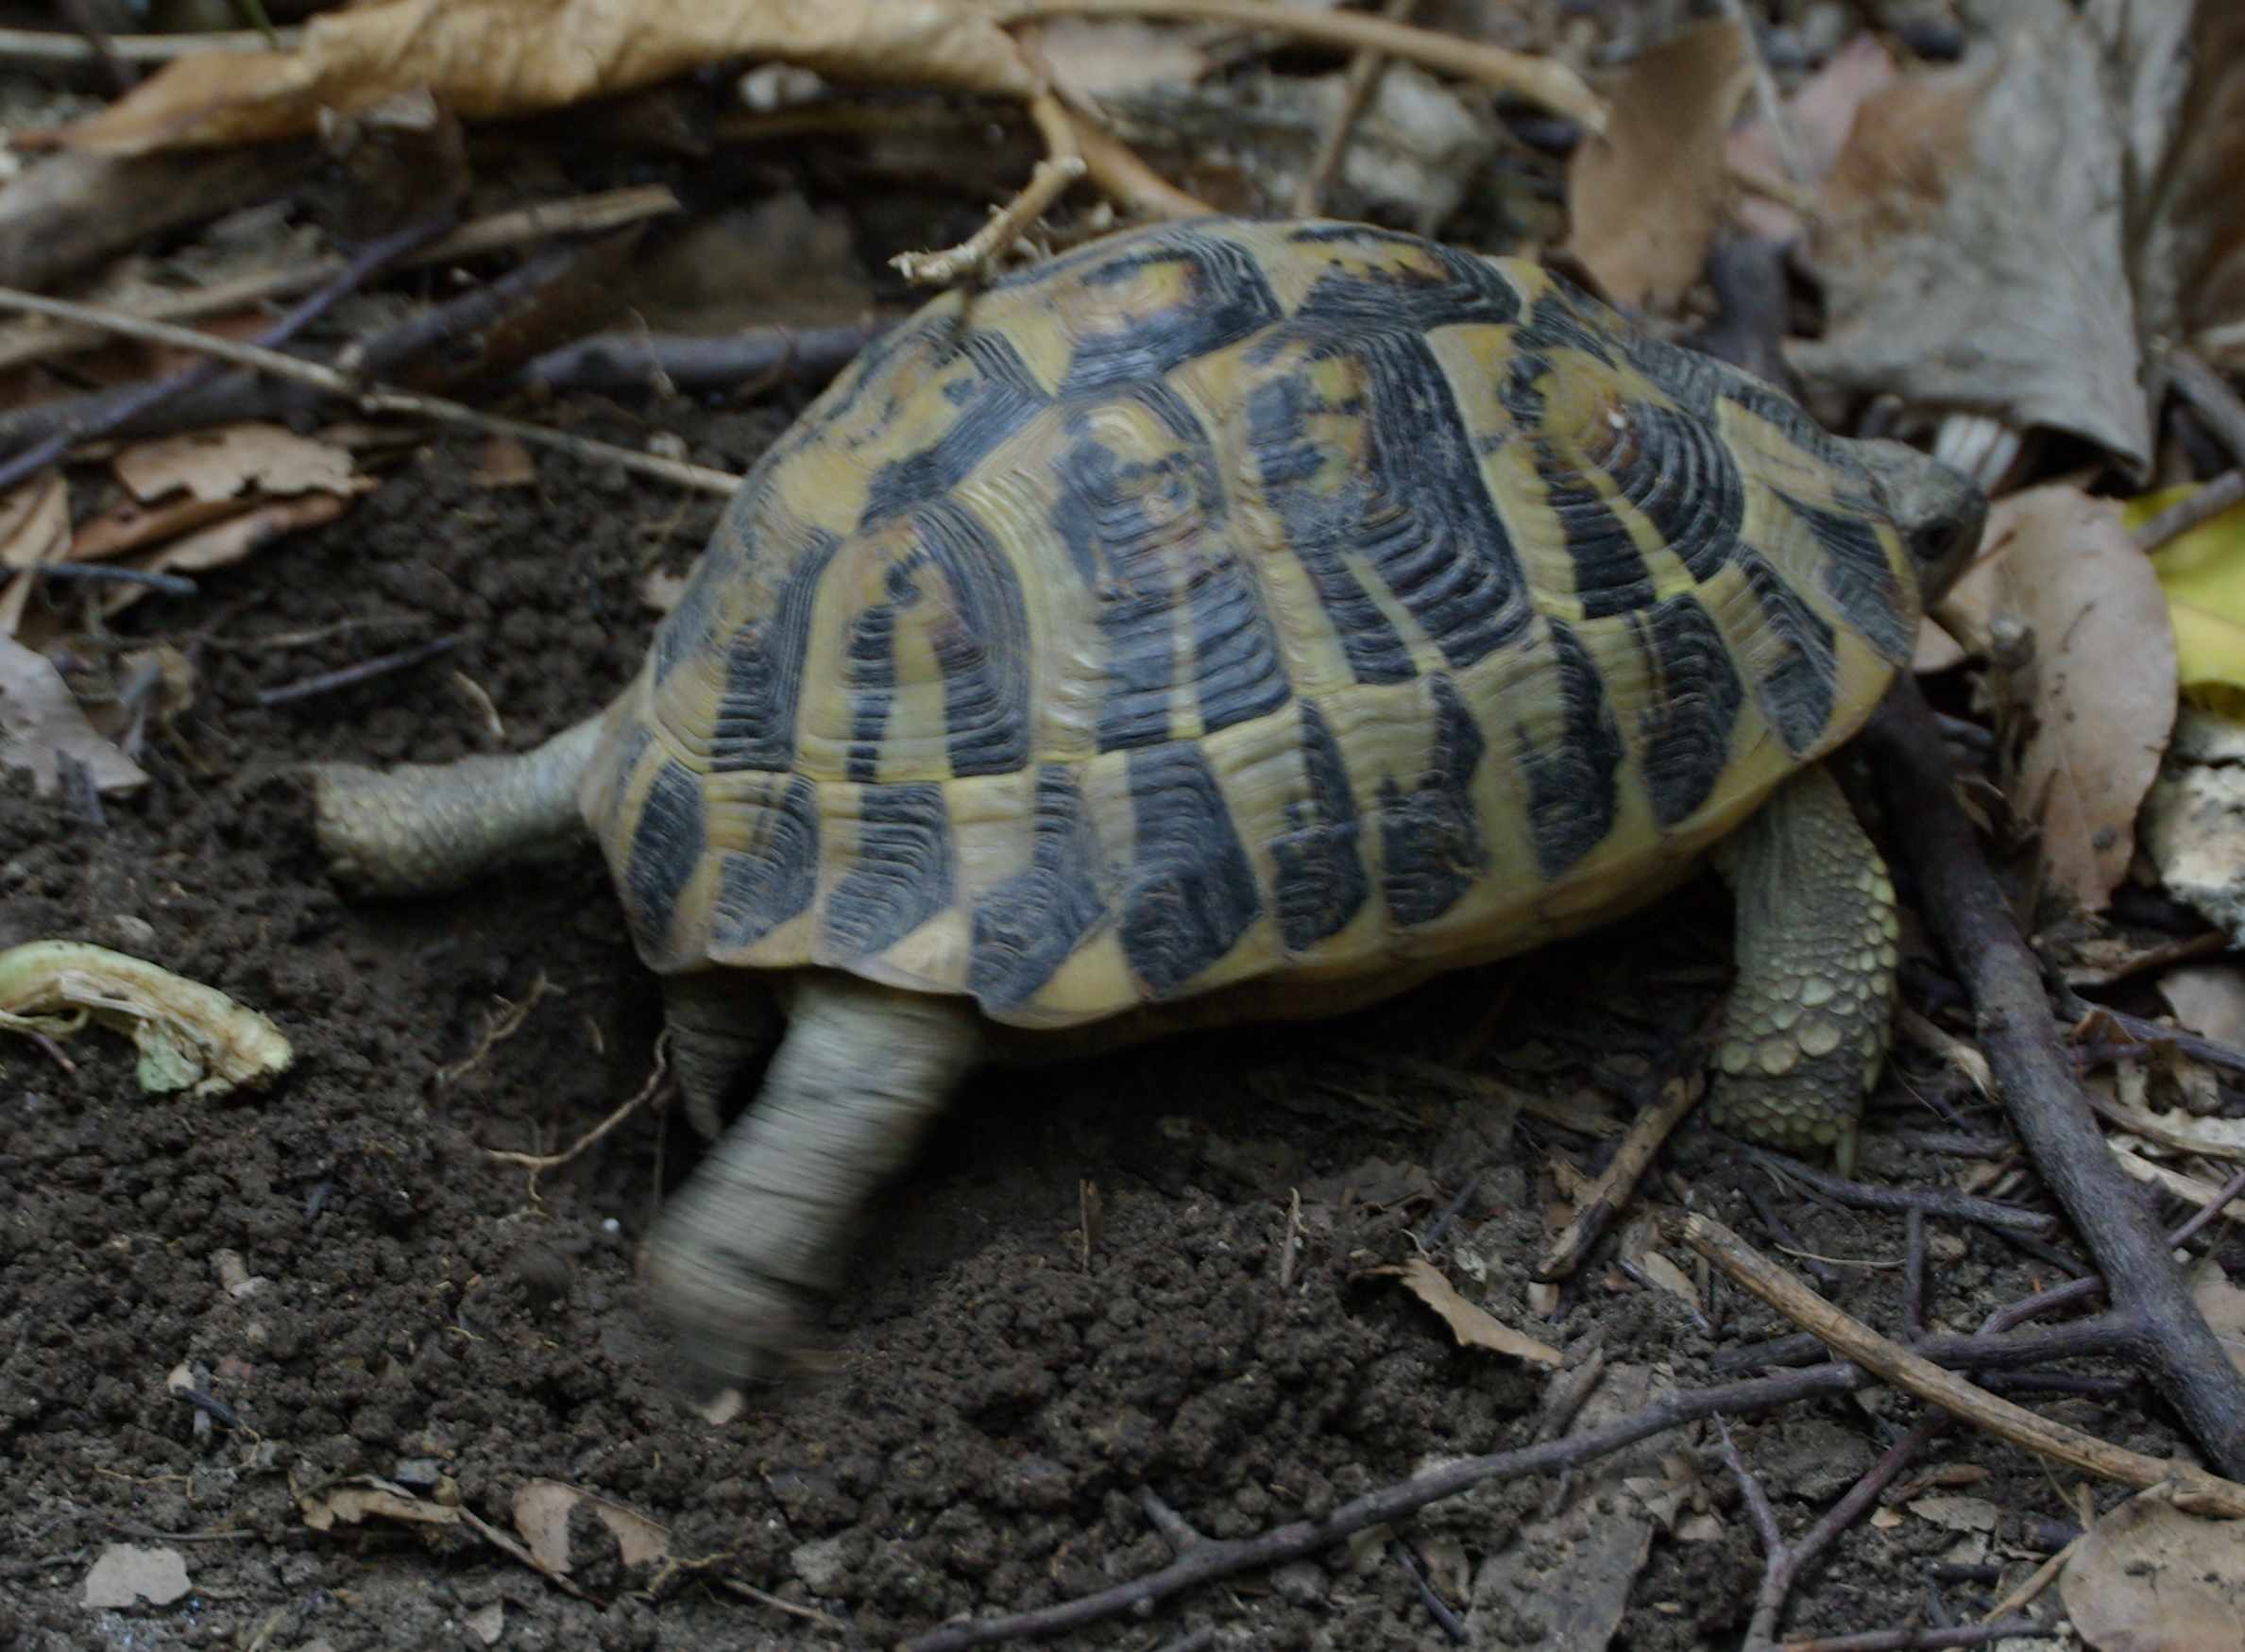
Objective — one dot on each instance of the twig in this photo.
(604, 210)
(1966, 911)
(1365, 70)
(375, 399)
(171, 584)
(1789, 1241)
(120, 73)
(356, 273)
(2191, 378)
(2212, 1051)
(365, 670)
(763, 1597)
(1436, 1608)
(2207, 1212)
(46, 45)
(1849, 1336)
(1540, 80)
(1062, 166)
(1611, 1190)
(1766, 93)
(2191, 511)
(1783, 1561)
(536, 1163)
(695, 364)
(1227, 1558)
(1926, 1640)
(1932, 1200)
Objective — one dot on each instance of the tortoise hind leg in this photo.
(741, 1252)
(422, 829)
(720, 1020)
(1809, 1021)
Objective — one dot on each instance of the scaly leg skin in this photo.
(423, 828)
(743, 1251)
(1808, 1024)
(720, 1020)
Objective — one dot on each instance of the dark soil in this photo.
(996, 1403)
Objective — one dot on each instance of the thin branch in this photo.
(1365, 70)
(38, 46)
(1060, 167)
(1540, 80)
(375, 257)
(593, 214)
(2193, 510)
(374, 400)
(1932, 1200)
(1966, 909)
(1849, 1336)
(1606, 1196)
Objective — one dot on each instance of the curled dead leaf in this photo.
(190, 1035)
(542, 1510)
(1472, 1326)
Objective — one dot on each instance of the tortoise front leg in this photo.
(1809, 1020)
(743, 1252)
(422, 829)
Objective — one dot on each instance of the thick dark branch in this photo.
(1964, 907)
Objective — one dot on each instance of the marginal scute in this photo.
(1432, 847)
(1321, 884)
(1193, 891)
(1225, 600)
(901, 875)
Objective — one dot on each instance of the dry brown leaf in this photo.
(352, 1504)
(2181, 1131)
(1980, 255)
(1473, 1328)
(1669, 1277)
(2092, 708)
(2208, 999)
(230, 459)
(2194, 821)
(2149, 1577)
(506, 463)
(542, 1510)
(1647, 197)
(34, 528)
(126, 1575)
(128, 525)
(488, 60)
(2223, 1305)
(41, 723)
(1818, 118)
(1951, 1513)
(229, 541)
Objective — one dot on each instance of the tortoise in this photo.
(1225, 621)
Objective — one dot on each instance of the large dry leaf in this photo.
(2003, 236)
(492, 59)
(2094, 702)
(41, 723)
(1647, 197)
(1818, 118)
(2149, 1577)
(1971, 244)
(2194, 821)
(1473, 1328)
(229, 459)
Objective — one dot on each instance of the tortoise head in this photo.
(1939, 511)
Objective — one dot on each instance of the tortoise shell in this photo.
(1230, 601)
